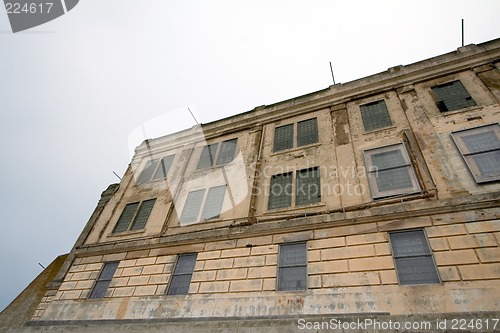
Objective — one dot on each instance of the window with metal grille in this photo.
(155, 169)
(292, 269)
(134, 216)
(307, 132)
(181, 278)
(414, 263)
(280, 193)
(390, 171)
(375, 115)
(452, 96)
(207, 156)
(283, 137)
(480, 148)
(192, 206)
(217, 154)
(213, 202)
(226, 153)
(308, 186)
(102, 284)
(212, 205)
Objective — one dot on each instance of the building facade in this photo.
(377, 198)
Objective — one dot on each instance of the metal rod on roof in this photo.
(193, 116)
(331, 69)
(462, 32)
(41, 265)
(117, 175)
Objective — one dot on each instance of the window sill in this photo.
(127, 233)
(212, 168)
(294, 149)
(453, 112)
(277, 211)
(380, 129)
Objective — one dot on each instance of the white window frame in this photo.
(372, 172)
(468, 157)
(202, 209)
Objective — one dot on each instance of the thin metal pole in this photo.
(462, 32)
(331, 69)
(193, 116)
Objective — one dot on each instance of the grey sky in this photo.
(73, 90)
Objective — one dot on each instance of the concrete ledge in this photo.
(352, 323)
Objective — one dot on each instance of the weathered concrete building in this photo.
(376, 199)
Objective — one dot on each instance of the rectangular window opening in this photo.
(292, 267)
(103, 281)
(183, 272)
(375, 116)
(413, 258)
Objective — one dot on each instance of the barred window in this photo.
(292, 269)
(103, 281)
(375, 115)
(217, 154)
(155, 169)
(211, 201)
(307, 132)
(183, 272)
(452, 96)
(226, 153)
(308, 186)
(192, 206)
(134, 216)
(280, 194)
(390, 171)
(480, 148)
(283, 137)
(414, 263)
(207, 156)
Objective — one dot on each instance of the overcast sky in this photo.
(73, 90)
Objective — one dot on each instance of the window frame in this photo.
(93, 292)
(279, 286)
(135, 216)
(174, 274)
(440, 101)
(295, 140)
(372, 172)
(364, 112)
(157, 164)
(472, 165)
(201, 210)
(215, 155)
(429, 255)
(294, 185)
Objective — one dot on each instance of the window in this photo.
(134, 216)
(155, 169)
(414, 263)
(211, 208)
(375, 115)
(292, 269)
(179, 284)
(452, 96)
(217, 154)
(307, 133)
(307, 188)
(102, 284)
(280, 194)
(480, 148)
(390, 171)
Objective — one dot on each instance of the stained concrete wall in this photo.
(349, 260)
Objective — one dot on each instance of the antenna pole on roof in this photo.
(462, 32)
(331, 69)
(192, 115)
